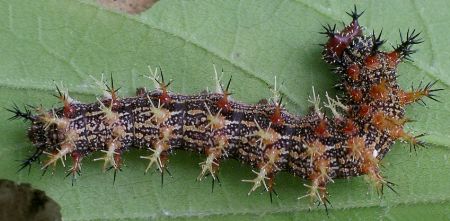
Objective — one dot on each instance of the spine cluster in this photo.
(364, 123)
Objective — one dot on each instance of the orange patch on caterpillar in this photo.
(356, 147)
(399, 133)
(353, 72)
(224, 103)
(412, 96)
(321, 170)
(322, 165)
(355, 94)
(364, 110)
(369, 160)
(68, 110)
(380, 91)
(372, 63)
(164, 98)
(276, 117)
(379, 121)
(350, 127)
(321, 129)
(383, 122)
(393, 58)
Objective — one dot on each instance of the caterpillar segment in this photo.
(218, 144)
(351, 141)
(375, 100)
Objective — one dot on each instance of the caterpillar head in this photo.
(339, 41)
(37, 135)
(43, 132)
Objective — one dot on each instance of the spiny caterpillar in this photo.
(365, 121)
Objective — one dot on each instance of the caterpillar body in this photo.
(364, 122)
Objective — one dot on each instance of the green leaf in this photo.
(68, 40)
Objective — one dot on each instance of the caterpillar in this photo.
(364, 122)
